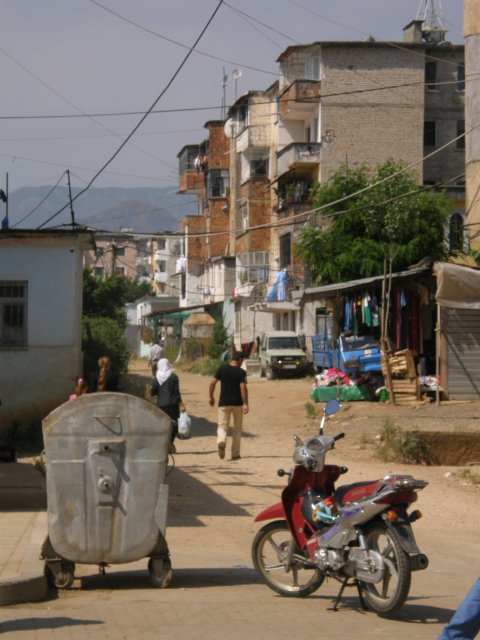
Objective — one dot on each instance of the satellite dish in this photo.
(236, 74)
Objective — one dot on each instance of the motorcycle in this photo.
(359, 534)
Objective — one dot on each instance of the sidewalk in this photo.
(23, 528)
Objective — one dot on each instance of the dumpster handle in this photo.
(101, 419)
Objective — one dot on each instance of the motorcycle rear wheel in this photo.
(269, 552)
(388, 595)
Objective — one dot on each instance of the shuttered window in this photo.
(13, 313)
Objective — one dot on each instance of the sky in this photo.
(77, 76)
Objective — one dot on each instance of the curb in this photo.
(24, 588)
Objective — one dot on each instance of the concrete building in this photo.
(40, 321)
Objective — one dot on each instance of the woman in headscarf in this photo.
(166, 387)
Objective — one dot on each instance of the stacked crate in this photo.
(401, 377)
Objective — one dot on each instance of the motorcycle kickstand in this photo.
(342, 589)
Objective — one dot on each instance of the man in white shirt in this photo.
(156, 353)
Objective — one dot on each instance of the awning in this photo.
(363, 282)
(457, 287)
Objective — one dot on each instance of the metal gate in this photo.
(462, 334)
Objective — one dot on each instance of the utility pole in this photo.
(72, 215)
(472, 119)
(4, 198)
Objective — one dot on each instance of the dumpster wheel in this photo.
(61, 574)
(160, 570)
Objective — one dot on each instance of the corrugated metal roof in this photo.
(355, 284)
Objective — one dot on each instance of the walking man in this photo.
(233, 401)
(156, 354)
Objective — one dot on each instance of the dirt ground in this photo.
(278, 411)
(215, 591)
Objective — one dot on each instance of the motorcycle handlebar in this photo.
(339, 436)
(282, 472)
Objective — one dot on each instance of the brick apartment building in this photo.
(335, 103)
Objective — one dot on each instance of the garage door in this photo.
(463, 338)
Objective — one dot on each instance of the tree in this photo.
(107, 297)
(104, 318)
(393, 220)
(220, 339)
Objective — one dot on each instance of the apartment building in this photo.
(335, 103)
(153, 258)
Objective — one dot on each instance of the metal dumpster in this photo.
(106, 459)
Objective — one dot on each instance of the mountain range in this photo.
(141, 209)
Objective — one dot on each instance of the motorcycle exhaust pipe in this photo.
(418, 562)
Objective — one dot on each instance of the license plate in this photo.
(289, 366)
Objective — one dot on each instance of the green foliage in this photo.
(470, 475)
(398, 445)
(204, 366)
(107, 297)
(104, 337)
(104, 319)
(350, 239)
(311, 410)
(220, 339)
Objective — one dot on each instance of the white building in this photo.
(41, 277)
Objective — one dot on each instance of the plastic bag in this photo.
(184, 426)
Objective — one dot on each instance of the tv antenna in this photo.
(433, 28)
(236, 75)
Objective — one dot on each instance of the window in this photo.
(217, 183)
(259, 168)
(98, 272)
(460, 144)
(13, 313)
(161, 244)
(456, 233)
(312, 68)
(461, 77)
(430, 134)
(244, 215)
(162, 266)
(285, 250)
(119, 251)
(431, 75)
(120, 270)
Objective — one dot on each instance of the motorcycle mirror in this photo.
(297, 440)
(332, 407)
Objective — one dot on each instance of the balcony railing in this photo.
(301, 96)
(298, 154)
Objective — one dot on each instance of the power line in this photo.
(474, 77)
(40, 203)
(144, 117)
(180, 44)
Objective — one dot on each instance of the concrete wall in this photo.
(37, 378)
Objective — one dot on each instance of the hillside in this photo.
(142, 209)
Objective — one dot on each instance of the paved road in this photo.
(215, 593)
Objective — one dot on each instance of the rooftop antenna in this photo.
(236, 75)
(431, 14)
(224, 99)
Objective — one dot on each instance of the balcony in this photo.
(299, 99)
(257, 137)
(298, 154)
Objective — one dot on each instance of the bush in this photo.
(104, 337)
(205, 366)
(397, 445)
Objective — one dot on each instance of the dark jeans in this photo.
(465, 623)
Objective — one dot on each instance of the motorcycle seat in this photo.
(356, 491)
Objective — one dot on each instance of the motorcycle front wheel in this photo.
(388, 595)
(270, 551)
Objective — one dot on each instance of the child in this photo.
(80, 389)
